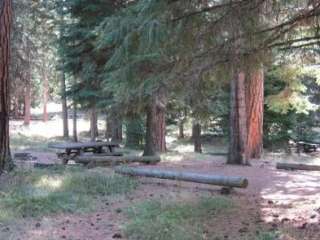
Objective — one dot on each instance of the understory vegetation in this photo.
(157, 220)
(43, 192)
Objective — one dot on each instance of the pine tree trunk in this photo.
(5, 31)
(181, 129)
(45, 95)
(156, 124)
(64, 106)
(196, 136)
(150, 144)
(238, 120)
(108, 130)
(160, 120)
(75, 130)
(116, 129)
(255, 105)
(160, 130)
(93, 123)
(27, 104)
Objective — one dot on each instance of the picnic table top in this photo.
(80, 145)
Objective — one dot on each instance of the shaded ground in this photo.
(282, 201)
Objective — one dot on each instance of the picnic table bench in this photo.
(72, 150)
(307, 147)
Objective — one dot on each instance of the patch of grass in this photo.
(155, 220)
(268, 236)
(22, 142)
(44, 192)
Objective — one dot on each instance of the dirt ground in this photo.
(287, 201)
(274, 200)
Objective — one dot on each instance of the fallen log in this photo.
(298, 166)
(100, 161)
(238, 182)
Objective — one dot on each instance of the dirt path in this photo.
(284, 200)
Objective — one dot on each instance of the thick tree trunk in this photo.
(5, 31)
(238, 121)
(150, 144)
(160, 129)
(238, 182)
(255, 104)
(45, 95)
(196, 136)
(74, 119)
(160, 120)
(64, 106)
(27, 104)
(93, 123)
(156, 124)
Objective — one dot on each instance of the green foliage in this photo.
(291, 111)
(45, 192)
(134, 132)
(155, 220)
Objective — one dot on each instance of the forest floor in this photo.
(277, 204)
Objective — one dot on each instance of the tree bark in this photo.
(64, 106)
(116, 129)
(27, 103)
(150, 144)
(181, 129)
(74, 119)
(5, 33)
(93, 123)
(255, 105)
(196, 136)
(156, 124)
(160, 120)
(238, 120)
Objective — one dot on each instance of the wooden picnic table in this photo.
(71, 150)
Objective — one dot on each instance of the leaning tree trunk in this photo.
(5, 31)
(93, 123)
(196, 136)
(238, 121)
(64, 106)
(255, 104)
(27, 103)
